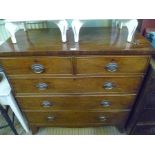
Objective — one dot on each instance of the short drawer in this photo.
(77, 85)
(62, 118)
(112, 64)
(37, 65)
(76, 102)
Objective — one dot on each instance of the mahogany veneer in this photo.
(90, 83)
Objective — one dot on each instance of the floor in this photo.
(107, 130)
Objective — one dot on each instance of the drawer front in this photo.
(37, 65)
(112, 64)
(76, 102)
(62, 118)
(77, 85)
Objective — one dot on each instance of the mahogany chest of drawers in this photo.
(90, 83)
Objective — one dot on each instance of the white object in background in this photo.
(130, 24)
(6, 98)
(12, 28)
(76, 26)
(63, 26)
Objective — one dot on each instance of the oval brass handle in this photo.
(42, 86)
(46, 104)
(50, 118)
(112, 67)
(108, 85)
(102, 118)
(37, 68)
(105, 103)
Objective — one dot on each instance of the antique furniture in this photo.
(91, 83)
(142, 119)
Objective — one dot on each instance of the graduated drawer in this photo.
(74, 118)
(112, 64)
(37, 65)
(76, 102)
(77, 85)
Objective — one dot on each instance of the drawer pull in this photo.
(112, 67)
(103, 118)
(46, 104)
(37, 68)
(108, 85)
(50, 118)
(105, 103)
(42, 86)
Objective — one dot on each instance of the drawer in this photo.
(77, 85)
(37, 65)
(112, 64)
(75, 118)
(76, 102)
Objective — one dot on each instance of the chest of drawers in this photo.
(90, 83)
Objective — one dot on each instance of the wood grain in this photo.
(76, 102)
(22, 65)
(126, 64)
(73, 118)
(75, 75)
(93, 41)
(77, 85)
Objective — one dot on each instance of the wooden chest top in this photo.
(93, 41)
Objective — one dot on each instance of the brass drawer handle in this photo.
(46, 104)
(50, 118)
(42, 86)
(108, 85)
(112, 67)
(37, 68)
(105, 103)
(102, 118)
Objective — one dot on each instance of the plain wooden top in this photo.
(93, 41)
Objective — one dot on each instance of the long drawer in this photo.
(76, 102)
(77, 85)
(37, 65)
(74, 118)
(112, 64)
